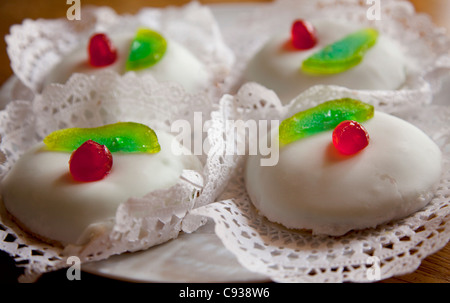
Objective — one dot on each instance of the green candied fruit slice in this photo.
(118, 137)
(147, 48)
(342, 54)
(323, 117)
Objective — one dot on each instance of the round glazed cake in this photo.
(278, 64)
(316, 187)
(43, 197)
(176, 64)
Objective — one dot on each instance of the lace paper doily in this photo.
(360, 256)
(425, 45)
(89, 101)
(36, 46)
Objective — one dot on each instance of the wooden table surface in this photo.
(434, 269)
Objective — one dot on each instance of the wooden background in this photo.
(434, 269)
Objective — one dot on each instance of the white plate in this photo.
(199, 257)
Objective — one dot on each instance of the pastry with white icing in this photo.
(277, 65)
(177, 64)
(41, 195)
(315, 187)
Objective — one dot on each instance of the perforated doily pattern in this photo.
(359, 256)
(89, 101)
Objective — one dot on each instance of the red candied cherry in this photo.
(101, 51)
(349, 137)
(303, 35)
(90, 162)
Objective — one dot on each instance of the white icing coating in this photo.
(314, 187)
(278, 66)
(177, 65)
(40, 193)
